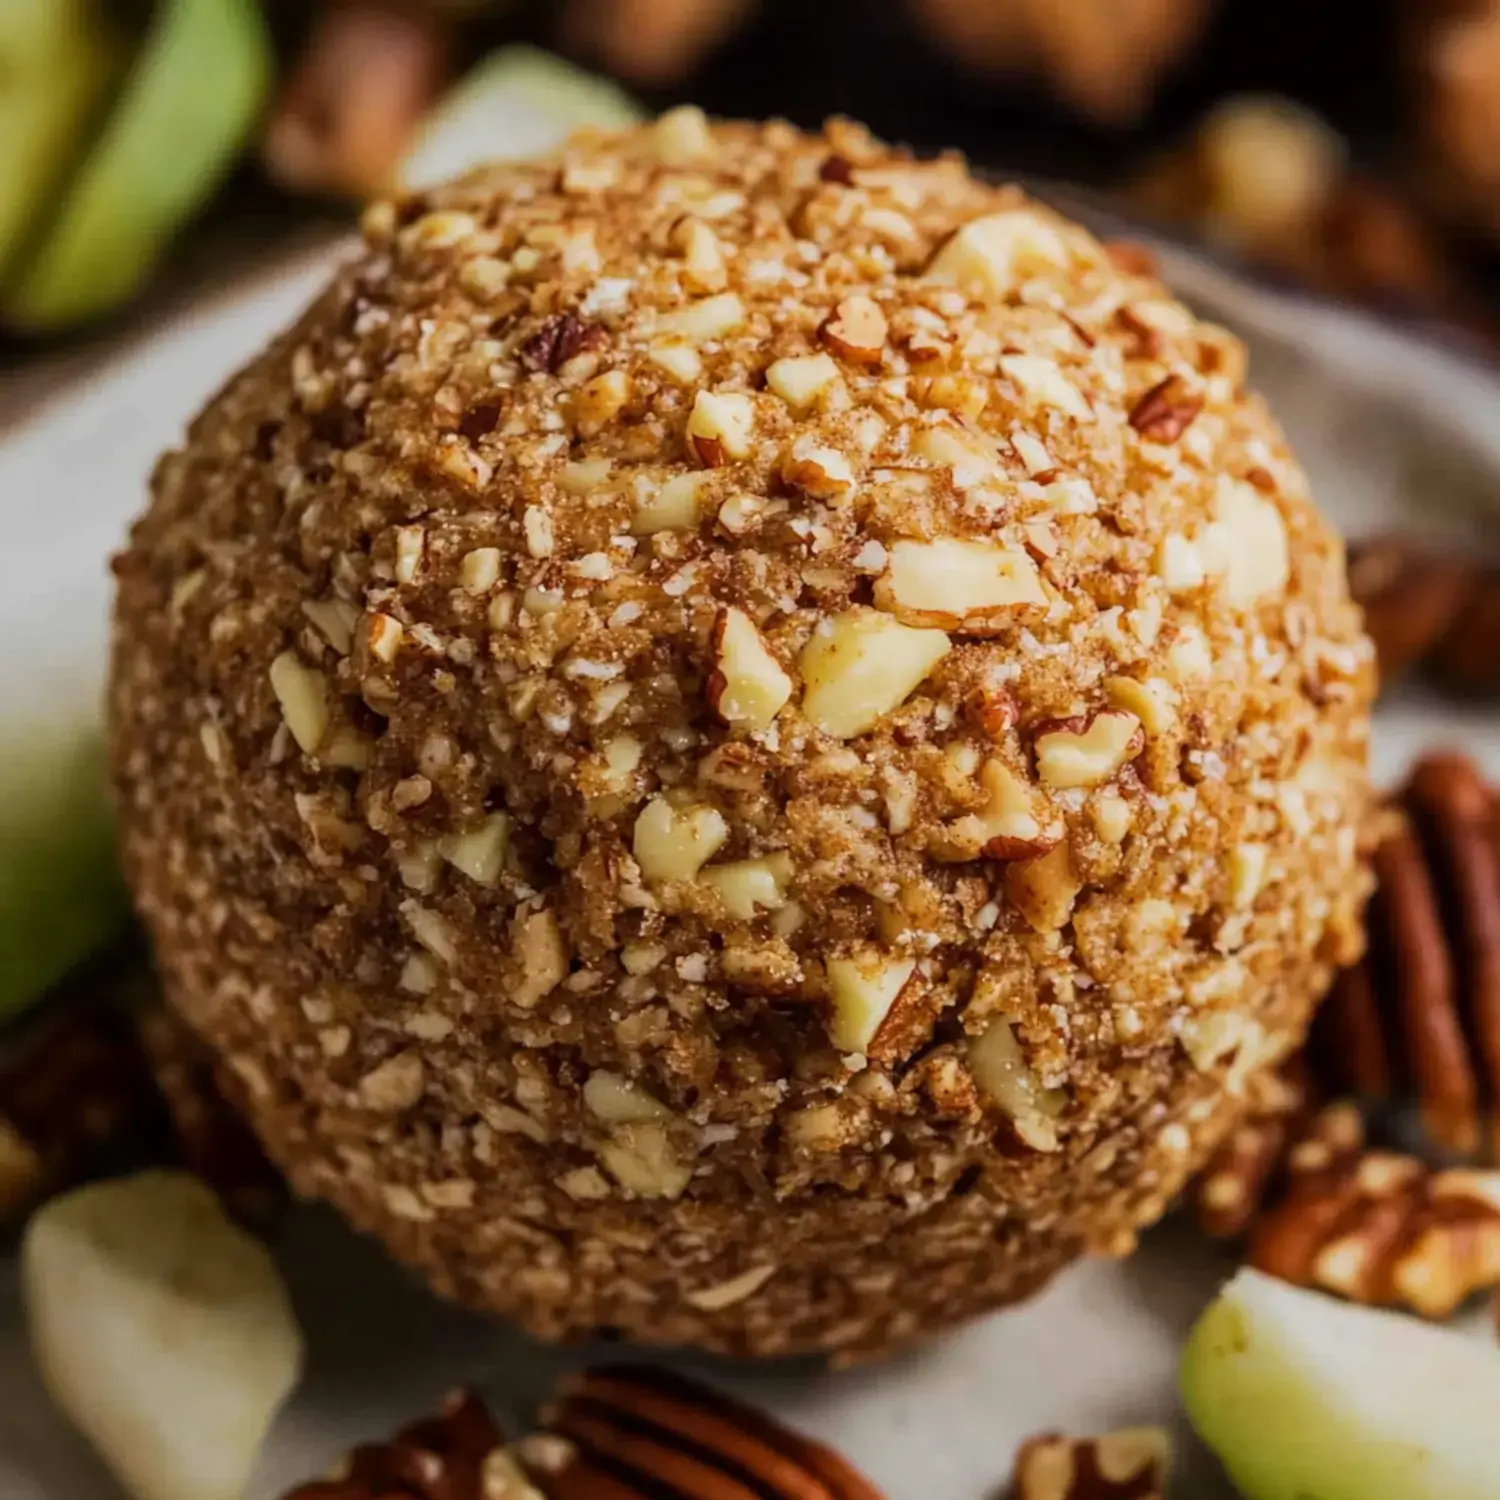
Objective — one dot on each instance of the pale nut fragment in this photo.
(674, 843)
(396, 1085)
(1152, 701)
(1247, 872)
(968, 454)
(303, 696)
(671, 506)
(818, 470)
(990, 255)
(720, 426)
(541, 952)
(1006, 828)
(748, 886)
(1043, 890)
(864, 991)
(700, 322)
(162, 1329)
(677, 358)
(480, 851)
(956, 584)
(1043, 380)
(800, 379)
(702, 255)
(1130, 1464)
(747, 687)
(1004, 1077)
(729, 1293)
(641, 1159)
(856, 330)
(860, 665)
(1085, 752)
(619, 1101)
(682, 136)
(1246, 544)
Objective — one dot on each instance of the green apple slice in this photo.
(516, 102)
(186, 108)
(162, 1329)
(56, 64)
(1308, 1398)
(61, 897)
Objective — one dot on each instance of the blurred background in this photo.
(154, 148)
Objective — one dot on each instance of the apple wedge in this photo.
(1301, 1396)
(162, 1329)
(185, 110)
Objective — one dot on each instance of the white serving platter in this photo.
(1393, 430)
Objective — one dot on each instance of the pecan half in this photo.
(1378, 1228)
(1419, 1018)
(1127, 1465)
(560, 338)
(1411, 598)
(1167, 410)
(636, 1432)
(450, 1456)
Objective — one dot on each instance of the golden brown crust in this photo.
(527, 679)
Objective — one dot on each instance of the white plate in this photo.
(1381, 421)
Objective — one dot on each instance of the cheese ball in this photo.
(740, 739)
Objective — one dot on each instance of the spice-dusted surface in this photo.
(1094, 1354)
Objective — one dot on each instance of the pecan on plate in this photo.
(74, 1087)
(1378, 1228)
(1127, 1465)
(458, 1454)
(1410, 595)
(1418, 1019)
(637, 1433)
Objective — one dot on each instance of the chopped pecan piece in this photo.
(1167, 410)
(560, 338)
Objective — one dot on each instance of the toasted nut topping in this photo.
(681, 137)
(480, 853)
(303, 696)
(1000, 1070)
(397, 1084)
(1043, 379)
(990, 255)
(700, 322)
(800, 379)
(720, 426)
(1247, 872)
(1007, 828)
(954, 584)
(673, 843)
(1130, 1464)
(618, 1101)
(480, 570)
(862, 664)
(1044, 890)
(702, 255)
(1151, 701)
(864, 991)
(856, 331)
(1166, 411)
(967, 453)
(747, 687)
(748, 886)
(600, 400)
(1086, 752)
(678, 359)
(673, 506)
(823, 472)
(640, 1158)
(1246, 544)
(728, 1293)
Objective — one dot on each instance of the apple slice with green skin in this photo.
(185, 110)
(162, 1329)
(517, 102)
(61, 896)
(57, 61)
(1307, 1398)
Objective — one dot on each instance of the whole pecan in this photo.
(1127, 1465)
(458, 1454)
(560, 338)
(637, 1433)
(1167, 410)
(1418, 1020)
(1379, 1228)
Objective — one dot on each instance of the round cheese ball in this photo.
(741, 738)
